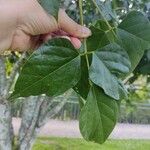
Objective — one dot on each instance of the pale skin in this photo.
(24, 25)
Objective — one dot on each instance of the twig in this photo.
(2, 76)
(100, 12)
(84, 42)
(54, 111)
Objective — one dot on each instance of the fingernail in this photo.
(86, 31)
(66, 37)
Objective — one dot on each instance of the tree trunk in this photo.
(31, 108)
(36, 112)
(5, 111)
(5, 127)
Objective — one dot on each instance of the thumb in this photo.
(71, 27)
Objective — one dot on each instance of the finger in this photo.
(46, 37)
(36, 41)
(76, 42)
(35, 21)
(68, 25)
(60, 36)
(65, 37)
(21, 41)
(25, 42)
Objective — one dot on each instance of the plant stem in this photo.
(84, 40)
(100, 12)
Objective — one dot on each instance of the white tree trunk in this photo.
(5, 111)
(5, 127)
(35, 114)
(30, 115)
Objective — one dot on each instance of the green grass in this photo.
(80, 144)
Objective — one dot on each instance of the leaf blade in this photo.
(51, 70)
(97, 125)
(134, 36)
(105, 69)
(83, 86)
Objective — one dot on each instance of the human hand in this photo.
(25, 25)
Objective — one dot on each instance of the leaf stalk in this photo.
(84, 40)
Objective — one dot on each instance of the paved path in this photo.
(71, 129)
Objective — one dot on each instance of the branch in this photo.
(14, 72)
(44, 109)
(103, 17)
(84, 40)
(55, 110)
(30, 116)
(2, 76)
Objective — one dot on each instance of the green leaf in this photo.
(134, 36)
(109, 63)
(101, 36)
(83, 86)
(52, 69)
(97, 39)
(51, 6)
(98, 117)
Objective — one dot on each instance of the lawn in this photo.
(80, 144)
